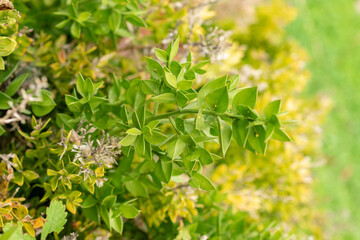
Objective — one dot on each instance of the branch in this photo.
(193, 111)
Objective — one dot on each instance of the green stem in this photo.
(193, 111)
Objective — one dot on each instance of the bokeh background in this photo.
(330, 32)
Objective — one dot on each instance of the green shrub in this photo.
(106, 113)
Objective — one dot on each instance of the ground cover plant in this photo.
(152, 120)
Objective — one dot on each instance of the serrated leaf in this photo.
(55, 219)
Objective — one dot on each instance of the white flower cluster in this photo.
(89, 151)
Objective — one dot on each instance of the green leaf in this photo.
(281, 135)
(270, 128)
(154, 68)
(30, 175)
(257, 139)
(75, 29)
(140, 146)
(5, 75)
(129, 211)
(2, 64)
(199, 121)
(156, 137)
(109, 201)
(184, 85)
(164, 98)
(62, 23)
(246, 97)
(170, 80)
(16, 84)
(4, 101)
(128, 140)
(200, 65)
(136, 188)
(73, 103)
(88, 111)
(218, 100)
(134, 131)
(55, 219)
(92, 213)
(241, 131)
(181, 99)
(85, 86)
(174, 49)
(7, 46)
(201, 181)
(161, 55)
(114, 20)
(104, 212)
(89, 202)
(84, 16)
(135, 20)
(272, 108)
(209, 87)
(167, 168)
(175, 148)
(44, 106)
(204, 156)
(2, 130)
(116, 223)
(14, 233)
(225, 135)
(150, 87)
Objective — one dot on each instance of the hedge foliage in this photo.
(155, 120)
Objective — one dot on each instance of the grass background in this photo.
(330, 30)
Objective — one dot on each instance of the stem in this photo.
(193, 111)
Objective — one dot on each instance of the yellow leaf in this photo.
(29, 228)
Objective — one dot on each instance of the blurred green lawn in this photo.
(330, 30)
